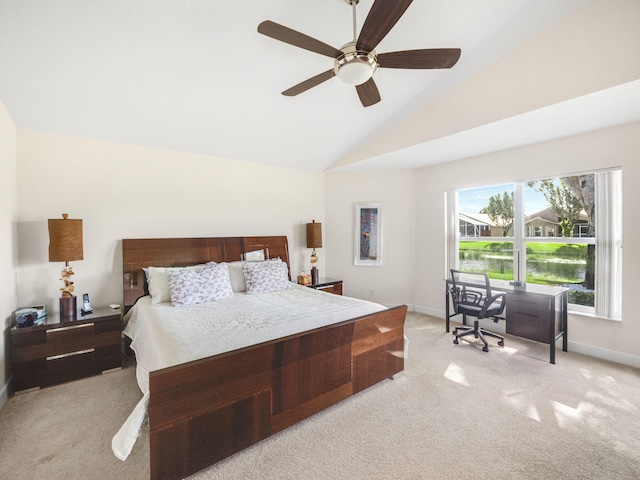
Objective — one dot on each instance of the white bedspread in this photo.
(163, 335)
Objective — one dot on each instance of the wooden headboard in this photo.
(181, 252)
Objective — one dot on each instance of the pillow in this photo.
(157, 278)
(191, 287)
(236, 275)
(268, 276)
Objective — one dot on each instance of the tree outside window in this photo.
(555, 211)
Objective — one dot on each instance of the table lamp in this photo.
(314, 240)
(65, 245)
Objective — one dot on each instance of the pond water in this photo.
(547, 267)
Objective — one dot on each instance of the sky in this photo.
(475, 199)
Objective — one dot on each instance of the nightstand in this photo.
(56, 350)
(330, 285)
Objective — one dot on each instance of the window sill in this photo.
(580, 313)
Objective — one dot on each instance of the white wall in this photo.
(122, 191)
(8, 248)
(417, 277)
(393, 281)
(619, 146)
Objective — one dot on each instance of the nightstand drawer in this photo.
(60, 350)
(328, 285)
(59, 341)
(337, 289)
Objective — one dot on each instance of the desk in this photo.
(536, 312)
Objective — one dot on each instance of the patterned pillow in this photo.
(237, 275)
(158, 281)
(191, 287)
(268, 276)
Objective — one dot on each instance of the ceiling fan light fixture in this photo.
(355, 67)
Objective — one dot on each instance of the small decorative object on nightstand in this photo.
(314, 240)
(57, 349)
(65, 245)
(329, 285)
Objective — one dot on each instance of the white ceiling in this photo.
(195, 76)
(610, 107)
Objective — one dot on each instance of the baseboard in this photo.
(432, 312)
(605, 354)
(4, 393)
(410, 307)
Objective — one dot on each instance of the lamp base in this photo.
(68, 307)
(314, 276)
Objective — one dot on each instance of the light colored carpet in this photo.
(455, 413)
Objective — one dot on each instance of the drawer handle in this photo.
(60, 329)
(65, 355)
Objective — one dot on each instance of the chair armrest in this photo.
(495, 297)
(469, 296)
(490, 301)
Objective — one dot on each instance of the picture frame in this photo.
(368, 234)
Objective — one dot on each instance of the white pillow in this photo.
(191, 287)
(236, 275)
(268, 276)
(158, 281)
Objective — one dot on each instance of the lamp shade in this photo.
(314, 235)
(65, 239)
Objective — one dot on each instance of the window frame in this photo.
(519, 239)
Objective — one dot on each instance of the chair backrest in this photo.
(471, 295)
(474, 280)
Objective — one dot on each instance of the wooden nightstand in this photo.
(56, 350)
(330, 285)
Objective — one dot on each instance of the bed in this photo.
(202, 409)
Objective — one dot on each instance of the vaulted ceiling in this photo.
(196, 76)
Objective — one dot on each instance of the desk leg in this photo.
(552, 330)
(446, 308)
(565, 307)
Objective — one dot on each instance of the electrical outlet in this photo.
(372, 292)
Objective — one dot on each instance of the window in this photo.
(563, 231)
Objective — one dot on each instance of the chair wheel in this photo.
(485, 349)
(455, 340)
(501, 343)
(475, 335)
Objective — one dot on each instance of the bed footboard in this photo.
(203, 411)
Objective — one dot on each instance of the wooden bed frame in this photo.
(205, 410)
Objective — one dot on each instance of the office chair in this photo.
(471, 295)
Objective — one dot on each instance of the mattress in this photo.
(163, 336)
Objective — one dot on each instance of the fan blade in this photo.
(310, 83)
(297, 39)
(418, 59)
(381, 18)
(368, 93)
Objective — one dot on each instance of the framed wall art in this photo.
(368, 234)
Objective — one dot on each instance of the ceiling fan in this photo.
(356, 62)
